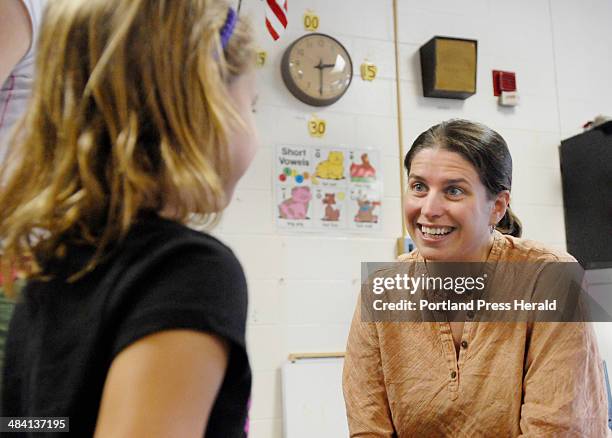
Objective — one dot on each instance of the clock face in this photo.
(317, 69)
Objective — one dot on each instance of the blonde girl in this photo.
(131, 323)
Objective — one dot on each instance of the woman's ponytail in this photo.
(510, 224)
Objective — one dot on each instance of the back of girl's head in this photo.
(481, 146)
(130, 112)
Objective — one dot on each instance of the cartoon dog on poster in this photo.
(331, 213)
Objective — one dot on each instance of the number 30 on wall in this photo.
(317, 127)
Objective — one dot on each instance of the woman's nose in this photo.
(432, 206)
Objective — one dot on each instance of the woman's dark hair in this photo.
(481, 146)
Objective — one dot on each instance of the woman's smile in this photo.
(435, 233)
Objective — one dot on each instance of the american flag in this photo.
(276, 17)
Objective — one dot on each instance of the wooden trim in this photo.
(298, 356)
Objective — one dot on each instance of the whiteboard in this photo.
(313, 405)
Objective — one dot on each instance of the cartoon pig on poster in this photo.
(296, 207)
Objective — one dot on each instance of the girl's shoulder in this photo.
(155, 236)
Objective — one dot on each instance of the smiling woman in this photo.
(459, 180)
(468, 377)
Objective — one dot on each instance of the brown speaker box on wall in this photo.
(448, 67)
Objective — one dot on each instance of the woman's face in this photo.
(447, 208)
(242, 142)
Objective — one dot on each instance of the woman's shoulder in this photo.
(411, 256)
(510, 248)
(519, 249)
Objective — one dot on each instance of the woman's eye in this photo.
(454, 191)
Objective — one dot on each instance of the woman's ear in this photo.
(502, 201)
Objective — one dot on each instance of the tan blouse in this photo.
(509, 380)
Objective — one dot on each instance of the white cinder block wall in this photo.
(303, 288)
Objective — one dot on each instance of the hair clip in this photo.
(228, 27)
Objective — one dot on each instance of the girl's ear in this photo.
(502, 201)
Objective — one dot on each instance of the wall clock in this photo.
(317, 69)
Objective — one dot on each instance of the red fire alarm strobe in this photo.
(504, 86)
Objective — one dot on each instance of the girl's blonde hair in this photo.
(130, 111)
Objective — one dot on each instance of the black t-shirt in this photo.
(64, 335)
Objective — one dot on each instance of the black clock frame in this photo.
(295, 89)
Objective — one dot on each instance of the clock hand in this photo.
(320, 82)
(319, 66)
